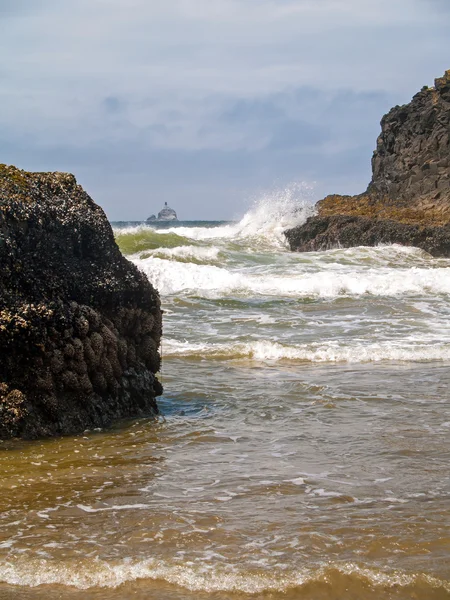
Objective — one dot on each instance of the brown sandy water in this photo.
(325, 489)
(302, 453)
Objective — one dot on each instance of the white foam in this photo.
(329, 351)
(134, 229)
(275, 212)
(267, 219)
(195, 253)
(324, 494)
(297, 481)
(173, 277)
(115, 507)
(99, 573)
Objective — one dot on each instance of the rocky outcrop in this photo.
(79, 325)
(408, 199)
(341, 231)
(165, 214)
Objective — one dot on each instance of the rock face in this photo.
(408, 199)
(79, 325)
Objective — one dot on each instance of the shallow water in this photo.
(303, 449)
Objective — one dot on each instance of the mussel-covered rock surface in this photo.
(80, 326)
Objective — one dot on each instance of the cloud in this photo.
(208, 160)
(441, 6)
(13, 7)
(203, 98)
(113, 104)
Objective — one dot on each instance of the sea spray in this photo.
(276, 211)
(261, 227)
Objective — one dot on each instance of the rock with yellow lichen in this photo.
(408, 199)
(80, 326)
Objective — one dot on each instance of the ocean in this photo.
(302, 451)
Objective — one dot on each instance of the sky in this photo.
(209, 104)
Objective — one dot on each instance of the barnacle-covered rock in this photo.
(72, 353)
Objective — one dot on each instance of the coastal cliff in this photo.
(408, 199)
(80, 325)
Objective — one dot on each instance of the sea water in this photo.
(302, 450)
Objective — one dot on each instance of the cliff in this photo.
(408, 198)
(79, 325)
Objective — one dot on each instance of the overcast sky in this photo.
(206, 104)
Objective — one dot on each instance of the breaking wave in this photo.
(261, 227)
(171, 277)
(331, 351)
(99, 573)
(266, 220)
(194, 254)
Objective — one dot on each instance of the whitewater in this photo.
(352, 305)
(302, 449)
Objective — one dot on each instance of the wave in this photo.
(99, 573)
(132, 240)
(173, 277)
(331, 351)
(262, 226)
(212, 281)
(266, 221)
(195, 254)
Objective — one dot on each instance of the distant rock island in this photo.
(408, 200)
(165, 214)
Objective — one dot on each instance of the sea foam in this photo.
(99, 573)
(194, 254)
(173, 277)
(321, 352)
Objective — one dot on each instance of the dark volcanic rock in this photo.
(411, 164)
(408, 199)
(79, 324)
(340, 231)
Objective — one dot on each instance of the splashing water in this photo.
(262, 226)
(275, 212)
